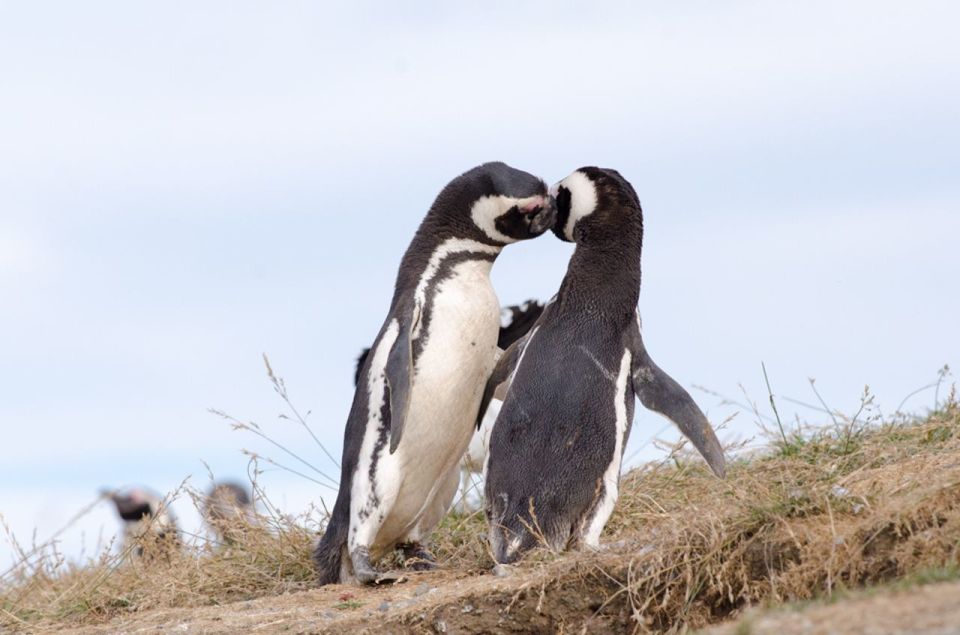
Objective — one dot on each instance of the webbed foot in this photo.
(366, 574)
(362, 569)
(417, 557)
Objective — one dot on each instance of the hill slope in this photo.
(838, 509)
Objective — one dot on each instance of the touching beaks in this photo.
(545, 215)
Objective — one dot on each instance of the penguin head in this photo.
(508, 205)
(226, 499)
(595, 202)
(134, 505)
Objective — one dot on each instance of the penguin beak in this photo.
(544, 217)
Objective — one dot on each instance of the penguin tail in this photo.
(331, 550)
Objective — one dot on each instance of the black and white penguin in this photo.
(148, 524)
(419, 389)
(228, 510)
(555, 452)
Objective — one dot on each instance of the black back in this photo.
(522, 318)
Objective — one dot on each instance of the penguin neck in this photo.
(604, 278)
(432, 247)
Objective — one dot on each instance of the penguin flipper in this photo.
(398, 372)
(499, 380)
(661, 393)
(358, 370)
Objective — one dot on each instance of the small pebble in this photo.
(840, 492)
(440, 626)
(502, 570)
(384, 606)
(467, 609)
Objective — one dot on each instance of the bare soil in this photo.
(450, 602)
(547, 599)
(924, 610)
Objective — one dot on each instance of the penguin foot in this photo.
(417, 557)
(366, 574)
(362, 568)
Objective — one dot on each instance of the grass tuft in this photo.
(862, 501)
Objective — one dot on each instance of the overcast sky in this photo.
(186, 186)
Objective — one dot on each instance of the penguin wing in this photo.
(661, 393)
(499, 381)
(398, 370)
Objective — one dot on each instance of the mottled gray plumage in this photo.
(556, 447)
(228, 510)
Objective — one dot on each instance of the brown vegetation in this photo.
(816, 514)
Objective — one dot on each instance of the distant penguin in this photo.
(416, 403)
(148, 524)
(228, 510)
(555, 453)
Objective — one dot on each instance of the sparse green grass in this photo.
(348, 604)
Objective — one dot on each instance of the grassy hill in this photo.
(813, 517)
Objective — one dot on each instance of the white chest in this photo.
(461, 337)
(457, 356)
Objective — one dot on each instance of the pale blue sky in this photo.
(185, 187)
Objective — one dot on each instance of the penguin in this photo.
(228, 510)
(148, 524)
(420, 387)
(553, 467)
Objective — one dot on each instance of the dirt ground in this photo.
(925, 610)
(429, 602)
(449, 602)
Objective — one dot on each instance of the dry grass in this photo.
(851, 505)
(268, 557)
(834, 511)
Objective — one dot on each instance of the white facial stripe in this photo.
(583, 199)
(488, 208)
(447, 248)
